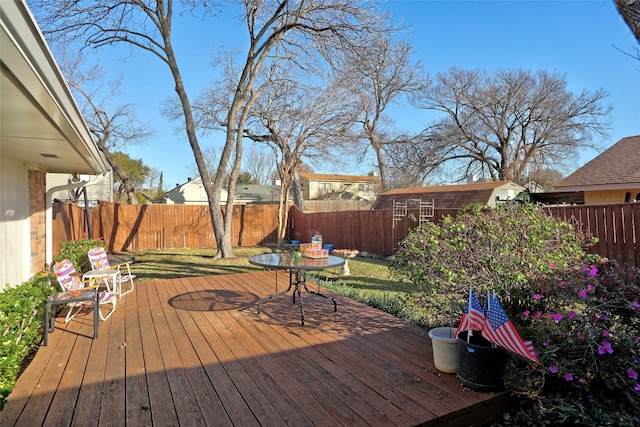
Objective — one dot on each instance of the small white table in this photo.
(105, 276)
(346, 254)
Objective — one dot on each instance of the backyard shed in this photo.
(452, 196)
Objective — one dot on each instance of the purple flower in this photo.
(537, 315)
(580, 335)
(585, 268)
(593, 272)
(606, 334)
(582, 293)
(589, 288)
(605, 347)
(537, 296)
(571, 315)
(526, 313)
(545, 343)
(637, 387)
(632, 374)
(562, 283)
(552, 266)
(568, 376)
(557, 317)
(553, 369)
(635, 304)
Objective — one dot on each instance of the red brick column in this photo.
(37, 219)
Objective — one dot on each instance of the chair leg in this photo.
(70, 313)
(130, 289)
(113, 308)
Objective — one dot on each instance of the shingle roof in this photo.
(444, 196)
(257, 193)
(330, 177)
(619, 164)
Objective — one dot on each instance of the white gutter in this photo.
(49, 213)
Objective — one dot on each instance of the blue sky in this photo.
(579, 39)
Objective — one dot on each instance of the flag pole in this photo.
(470, 316)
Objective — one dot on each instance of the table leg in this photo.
(333, 300)
(300, 302)
(270, 297)
(300, 281)
(345, 268)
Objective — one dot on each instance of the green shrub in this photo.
(500, 249)
(77, 250)
(584, 323)
(21, 313)
(581, 316)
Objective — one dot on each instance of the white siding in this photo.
(191, 193)
(101, 191)
(15, 249)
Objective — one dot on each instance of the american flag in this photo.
(499, 329)
(471, 318)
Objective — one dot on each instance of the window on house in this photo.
(324, 187)
(363, 187)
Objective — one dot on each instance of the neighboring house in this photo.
(351, 187)
(452, 196)
(611, 177)
(101, 191)
(42, 132)
(192, 193)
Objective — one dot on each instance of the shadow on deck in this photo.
(195, 352)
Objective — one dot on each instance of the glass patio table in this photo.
(297, 268)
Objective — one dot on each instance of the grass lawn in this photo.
(370, 281)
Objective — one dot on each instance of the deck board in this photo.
(194, 351)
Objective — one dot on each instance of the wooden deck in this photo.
(195, 352)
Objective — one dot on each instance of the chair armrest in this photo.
(117, 262)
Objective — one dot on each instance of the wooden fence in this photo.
(367, 231)
(136, 228)
(617, 228)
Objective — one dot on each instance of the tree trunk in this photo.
(298, 196)
(382, 165)
(212, 191)
(630, 12)
(126, 181)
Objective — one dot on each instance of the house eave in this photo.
(41, 122)
(599, 187)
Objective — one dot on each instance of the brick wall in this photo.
(37, 219)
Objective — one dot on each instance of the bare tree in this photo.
(379, 75)
(502, 125)
(112, 127)
(296, 121)
(287, 34)
(211, 156)
(260, 165)
(630, 12)
(316, 27)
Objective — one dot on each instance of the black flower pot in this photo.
(482, 366)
